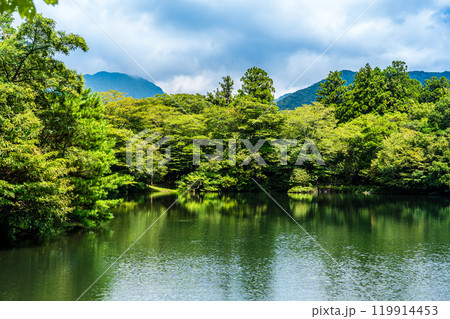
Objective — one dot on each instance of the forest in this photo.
(63, 148)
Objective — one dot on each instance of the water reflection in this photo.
(243, 247)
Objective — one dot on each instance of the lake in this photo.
(244, 247)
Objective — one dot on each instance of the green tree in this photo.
(257, 84)
(435, 90)
(439, 118)
(362, 139)
(401, 89)
(27, 58)
(379, 91)
(76, 129)
(244, 118)
(65, 128)
(224, 95)
(227, 89)
(365, 95)
(332, 91)
(411, 160)
(314, 122)
(34, 188)
(25, 8)
(164, 115)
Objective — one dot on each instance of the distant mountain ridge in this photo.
(130, 85)
(308, 94)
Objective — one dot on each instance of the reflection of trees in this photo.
(60, 270)
(237, 246)
(369, 212)
(64, 268)
(236, 235)
(241, 205)
(377, 238)
(221, 240)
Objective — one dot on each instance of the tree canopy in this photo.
(56, 152)
(333, 90)
(223, 95)
(256, 83)
(63, 149)
(377, 91)
(25, 8)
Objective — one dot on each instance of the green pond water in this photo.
(244, 247)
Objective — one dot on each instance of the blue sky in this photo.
(188, 45)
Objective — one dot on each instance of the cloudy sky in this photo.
(188, 45)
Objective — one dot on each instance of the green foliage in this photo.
(227, 89)
(364, 96)
(415, 161)
(77, 130)
(379, 91)
(63, 148)
(34, 189)
(257, 84)
(27, 58)
(435, 90)
(243, 118)
(224, 95)
(56, 150)
(301, 181)
(25, 8)
(439, 118)
(400, 87)
(300, 177)
(163, 114)
(332, 91)
(362, 139)
(314, 122)
(349, 149)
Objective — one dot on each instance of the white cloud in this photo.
(188, 45)
(190, 83)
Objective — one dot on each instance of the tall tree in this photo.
(34, 188)
(223, 95)
(400, 87)
(227, 89)
(332, 91)
(64, 126)
(379, 91)
(365, 94)
(257, 84)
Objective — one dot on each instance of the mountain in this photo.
(308, 95)
(133, 86)
(422, 75)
